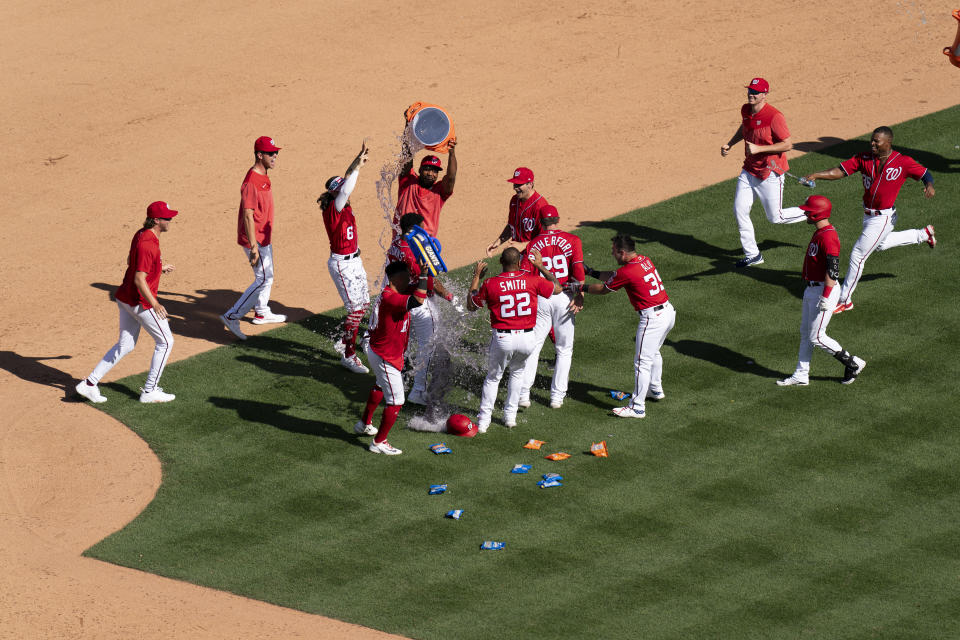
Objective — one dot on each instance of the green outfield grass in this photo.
(736, 509)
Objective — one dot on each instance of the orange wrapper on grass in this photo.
(558, 456)
(599, 449)
(534, 444)
(432, 126)
(954, 52)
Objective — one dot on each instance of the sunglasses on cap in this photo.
(270, 153)
(753, 92)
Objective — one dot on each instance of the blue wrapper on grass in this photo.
(490, 545)
(436, 489)
(619, 395)
(552, 476)
(520, 468)
(546, 484)
(440, 447)
(454, 513)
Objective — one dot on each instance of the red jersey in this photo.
(642, 282)
(825, 242)
(256, 194)
(882, 180)
(341, 228)
(412, 198)
(400, 251)
(562, 255)
(144, 256)
(768, 126)
(512, 299)
(390, 327)
(524, 217)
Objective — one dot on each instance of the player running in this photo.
(766, 142)
(884, 172)
(345, 266)
(511, 297)
(821, 268)
(657, 316)
(562, 255)
(389, 334)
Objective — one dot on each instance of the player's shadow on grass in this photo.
(721, 260)
(722, 357)
(273, 415)
(33, 369)
(845, 149)
(197, 315)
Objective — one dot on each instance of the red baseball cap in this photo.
(759, 84)
(265, 143)
(431, 161)
(549, 211)
(521, 176)
(160, 209)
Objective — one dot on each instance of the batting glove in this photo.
(823, 304)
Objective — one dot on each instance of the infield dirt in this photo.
(613, 105)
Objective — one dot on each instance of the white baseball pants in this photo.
(257, 294)
(552, 313)
(423, 320)
(131, 319)
(652, 330)
(877, 234)
(350, 278)
(389, 378)
(507, 349)
(770, 193)
(813, 328)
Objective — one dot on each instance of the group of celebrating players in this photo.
(542, 283)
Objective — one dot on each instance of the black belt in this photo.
(813, 283)
(654, 309)
(879, 212)
(344, 256)
(512, 330)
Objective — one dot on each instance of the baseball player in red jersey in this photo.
(526, 208)
(821, 269)
(255, 235)
(422, 193)
(562, 255)
(344, 264)
(389, 334)
(766, 141)
(512, 300)
(139, 307)
(657, 316)
(884, 172)
(424, 317)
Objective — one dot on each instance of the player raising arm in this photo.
(657, 316)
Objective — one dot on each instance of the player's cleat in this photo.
(157, 395)
(233, 326)
(931, 239)
(510, 422)
(417, 397)
(655, 394)
(853, 370)
(364, 429)
(556, 404)
(524, 402)
(750, 261)
(269, 318)
(843, 307)
(90, 392)
(792, 381)
(482, 427)
(385, 448)
(629, 412)
(353, 363)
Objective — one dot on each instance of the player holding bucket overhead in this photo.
(423, 193)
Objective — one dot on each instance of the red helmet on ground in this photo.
(460, 425)
(817, 208)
